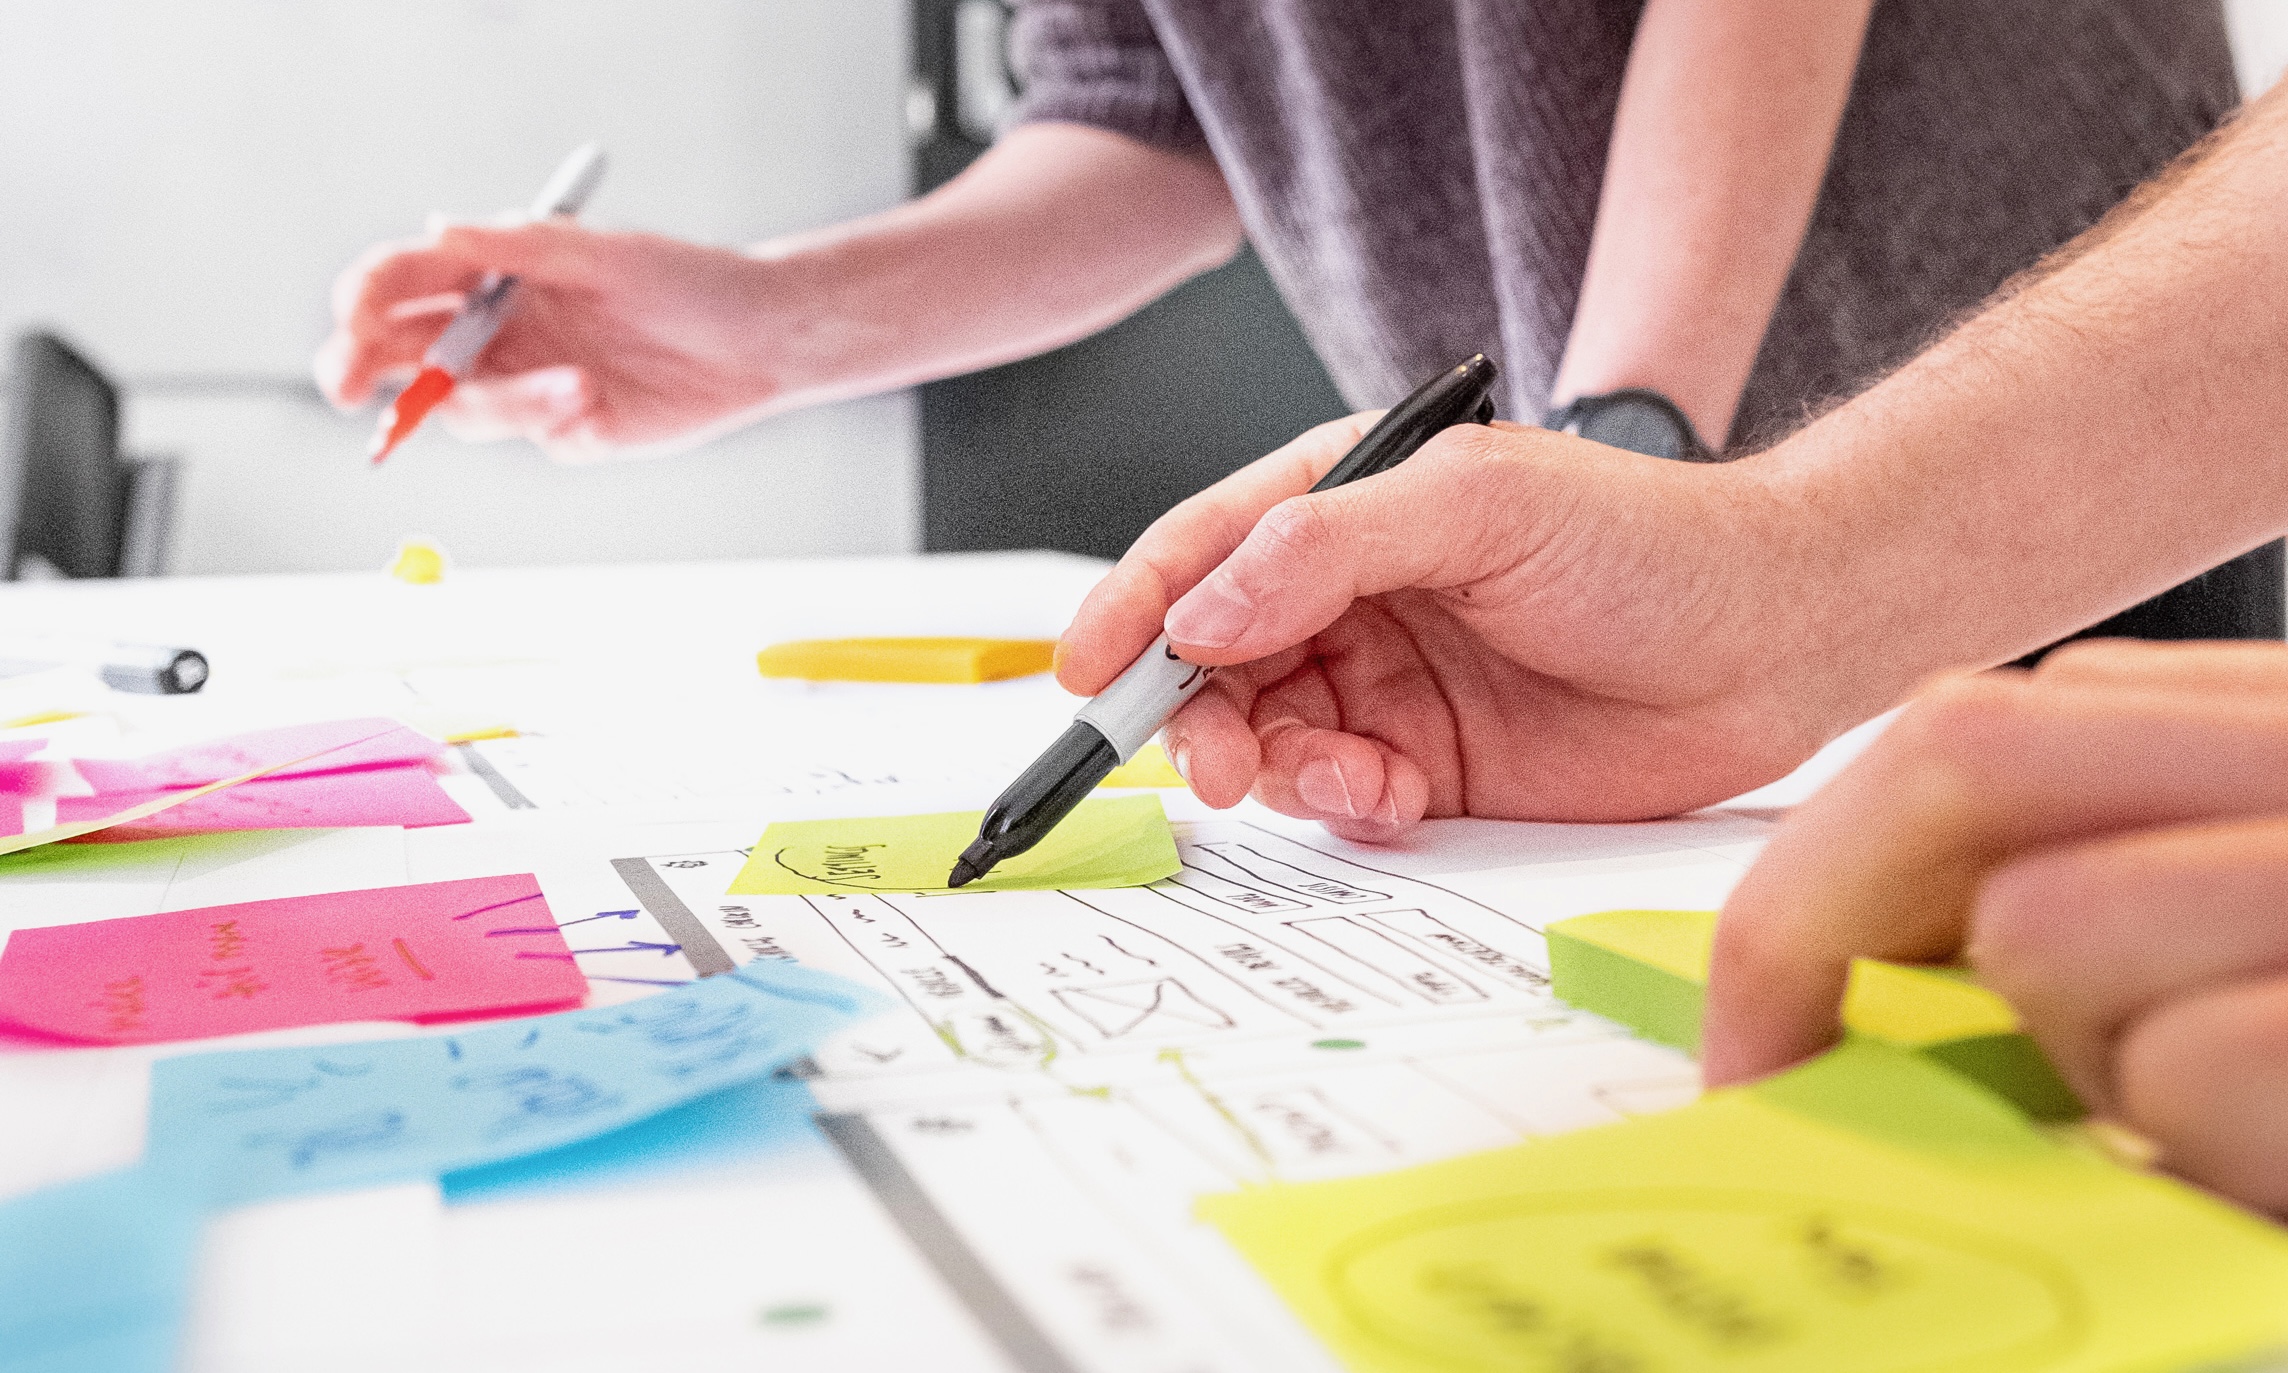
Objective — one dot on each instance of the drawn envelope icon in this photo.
(1154, 1007)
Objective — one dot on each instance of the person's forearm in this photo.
(2113, 425)
(1726, 118)
(1056, 232)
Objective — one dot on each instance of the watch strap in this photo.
(1636, 418)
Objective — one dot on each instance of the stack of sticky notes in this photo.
(1648, 970)
(338, 773)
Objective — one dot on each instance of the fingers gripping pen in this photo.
(1125, 715)
(483, 313)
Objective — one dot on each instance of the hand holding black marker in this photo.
(1125, 715)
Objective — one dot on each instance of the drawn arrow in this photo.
(638, 946)
(600, 915)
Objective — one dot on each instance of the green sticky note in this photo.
(1869, 1209)
(1119, 841)
(1648, 970)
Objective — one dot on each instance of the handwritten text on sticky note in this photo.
(1119, 841)
(435, 951)
(276, 1122)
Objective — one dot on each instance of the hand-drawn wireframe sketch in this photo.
(1232, 893)
(1159, 1007)
(1278, 937)
(1251, 860)
(1388, 957)
(1078, 1067)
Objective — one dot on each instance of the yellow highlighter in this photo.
(906, 660)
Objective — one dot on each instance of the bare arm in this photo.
(1056, 232)
(624, 340)
(1727, 115)
(2116, 424)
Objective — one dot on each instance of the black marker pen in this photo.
(1120, 720)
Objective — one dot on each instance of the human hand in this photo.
(617, 340)
(1512, 624)
(2106, 841)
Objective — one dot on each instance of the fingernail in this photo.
(1387, 812)
(1212, 615)
(1057, 659)
(1320, 783)
(1179, 762)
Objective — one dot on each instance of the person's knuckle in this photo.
(1966, 721)
(1296, 529)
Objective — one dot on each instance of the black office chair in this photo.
(71, 505)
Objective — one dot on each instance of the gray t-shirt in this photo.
(1421, 176)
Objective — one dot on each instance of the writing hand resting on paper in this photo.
(1512, 624)
(2106, 841)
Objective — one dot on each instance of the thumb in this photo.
(1435, 521)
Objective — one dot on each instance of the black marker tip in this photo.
(975, 861)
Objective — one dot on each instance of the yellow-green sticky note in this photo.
(1108, 841)
(1648, 970)
(1869, 1210)
(1149, 768)
(906, 660)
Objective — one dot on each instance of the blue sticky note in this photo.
(277, 1122)
(94, 1273)
(770, 1115)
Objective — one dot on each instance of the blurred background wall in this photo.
(179, 184)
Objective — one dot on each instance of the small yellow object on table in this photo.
(419, 562)
(906, 660)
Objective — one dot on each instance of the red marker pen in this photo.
(482, 314)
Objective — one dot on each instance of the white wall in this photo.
(2259, 41)
(183, 181)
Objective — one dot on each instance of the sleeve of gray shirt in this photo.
(1097, 62)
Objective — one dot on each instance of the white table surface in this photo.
(643, 676)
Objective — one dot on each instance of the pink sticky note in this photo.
(405, 795)
(338, 744)
(18, 774)
(436, 951)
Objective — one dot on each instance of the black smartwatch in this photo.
(1636, 419)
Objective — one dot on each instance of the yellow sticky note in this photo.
(1119, 841)
(906, 660)
(1866, 1210)
(1149, 768)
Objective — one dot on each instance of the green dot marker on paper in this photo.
(795, 1313)
(1338, 1043)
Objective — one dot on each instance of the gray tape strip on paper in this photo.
(707, 956)
(902, 1196)
(502, 787)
